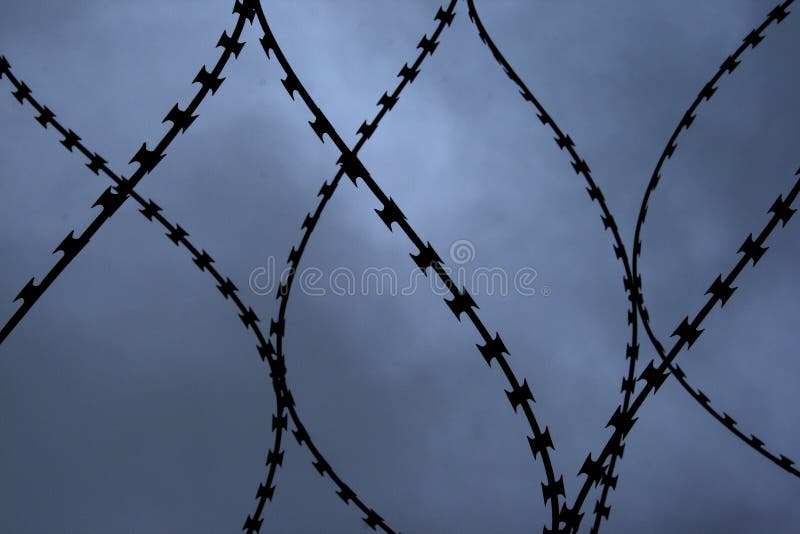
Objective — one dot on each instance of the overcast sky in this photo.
(131, 398)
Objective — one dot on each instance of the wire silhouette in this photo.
(112, 200)
(426, 257)
(600, 470)
(386, 103)
(632, 279)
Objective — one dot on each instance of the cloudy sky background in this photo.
(131, 398)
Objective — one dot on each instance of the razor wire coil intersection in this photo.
(598, 468)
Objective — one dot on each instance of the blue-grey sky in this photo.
(131, 398)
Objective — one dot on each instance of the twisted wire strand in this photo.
(427, 45)
(205, 262)
(461, 303)
(110, 201)
(581, 168)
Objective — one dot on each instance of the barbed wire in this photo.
(720, 288)
(633, 289)
(688, 332)
(581, 168)
(110, 201)
(728, 66)
(205, 262)
(426, 257)
(386, 103)
(599, 471)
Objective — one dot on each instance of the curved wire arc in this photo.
(689, 330)
(365, 131)
(705, 94)
(581, 168)
(633, 289)
(461, 303)
(426, 257)
(111, 201)
(719, 288)
(205, 262)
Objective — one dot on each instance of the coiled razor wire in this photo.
(599, 471)
(180, 237)
(580, 167)
(633, 289)
(278, 326)
(111, 200)
(227, 288)
(493, 348)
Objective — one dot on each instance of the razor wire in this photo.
(426, 257)
(461, 303)
(779, 206)
(111, 201)
(688, 332)
(581, 168)
(720, 288)
(633, 289)
(228, 290)
(204, 261)
(386, 103)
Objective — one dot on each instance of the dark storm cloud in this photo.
(132, 399)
